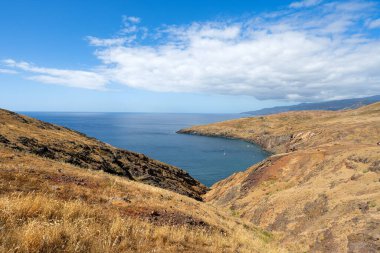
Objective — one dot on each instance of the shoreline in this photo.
(320, 185)
(188, 131)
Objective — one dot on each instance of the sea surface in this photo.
(208, 159)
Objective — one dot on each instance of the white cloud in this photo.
(290, 65)
(302, 55)
(127, 34)
(94, 41)
(305, 3)
(374, 24)
(72, 78)
(7, 71)
(322, 52)
(130, 25)
(131, 19)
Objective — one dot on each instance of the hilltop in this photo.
(61, 191)
(320, 188)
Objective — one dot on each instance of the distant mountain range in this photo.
(333, 105)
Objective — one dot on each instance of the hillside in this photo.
(55, 198)
(333, 105)
(321, 187)
(50, 206)
(32, 136)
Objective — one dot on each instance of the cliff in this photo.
(321, 188)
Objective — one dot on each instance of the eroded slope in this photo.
(24, 134)
(52, 206)
(321, 189)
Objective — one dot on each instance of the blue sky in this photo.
(185, 56)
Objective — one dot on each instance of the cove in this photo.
(208, 159)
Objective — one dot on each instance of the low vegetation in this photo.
(50, 206)
(319, 187)
(318, 192)
(21, 133)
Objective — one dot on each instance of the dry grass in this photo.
(47, 206)
(22, 133)
(40, 223)
(286, 132)
(319, 189)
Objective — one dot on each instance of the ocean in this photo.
(208, 159)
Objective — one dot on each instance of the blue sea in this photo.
(208, 159)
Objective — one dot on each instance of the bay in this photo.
(208, 159)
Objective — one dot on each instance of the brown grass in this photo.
(319, 189)
(40, 223)
(291, 131)
(47, 206)
(32, 136)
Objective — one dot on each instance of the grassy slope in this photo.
(321, 189)
(26, 134)
(49, 206)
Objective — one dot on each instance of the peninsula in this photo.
(321, 188)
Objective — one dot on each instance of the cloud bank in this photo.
(311, 50)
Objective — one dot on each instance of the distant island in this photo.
(333, 105)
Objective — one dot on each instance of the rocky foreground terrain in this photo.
(61, 191)
(321, 187)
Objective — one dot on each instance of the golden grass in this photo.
(320, 190)
(47, 206)
(22, 133)
(38, 223)
(279, 133)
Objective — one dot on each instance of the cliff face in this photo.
(23, 134)
(321, 188)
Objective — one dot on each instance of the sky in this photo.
(208, 56)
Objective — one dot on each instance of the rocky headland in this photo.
(321, 186)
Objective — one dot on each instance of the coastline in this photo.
(223, 136)
(321, 180)
(50, 141)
